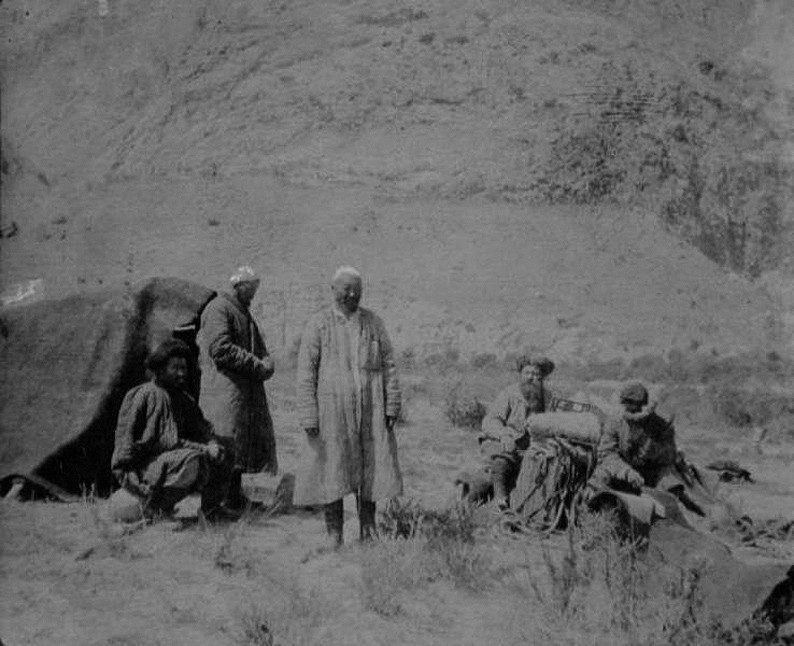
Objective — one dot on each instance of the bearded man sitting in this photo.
(505, 437)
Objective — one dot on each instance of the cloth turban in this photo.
(244, 274)
(347, 271)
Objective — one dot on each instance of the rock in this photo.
(271, 491)
(125, 507)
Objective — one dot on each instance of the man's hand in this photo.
(266, 367)
(312, 431)
(214, 451)
(390, 422)
(133, 484)
(633, 479)
(508, 443)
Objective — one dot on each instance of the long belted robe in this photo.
(232, 382)
(158, 433)
(346, 386)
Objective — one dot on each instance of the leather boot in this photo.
(502, 473)
(334, 522)
(235, 499)
(366, 520)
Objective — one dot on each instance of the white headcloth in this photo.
(244, 274)
(347, 270)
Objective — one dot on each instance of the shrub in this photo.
(483, 360)
(401, 519)
(255, 628)
(463, 410)
(407, 359)
(647, 367)
(443, 360)
(743, 408)
(232, 555)
(612, 369)
(647, 135)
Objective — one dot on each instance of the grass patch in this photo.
(291, 616)
(600, 590)
(420, 546)
(463, 409)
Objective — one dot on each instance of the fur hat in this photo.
(634, 393)
(167, 349)
(545, 364)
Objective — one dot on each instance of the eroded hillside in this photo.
(506, 173)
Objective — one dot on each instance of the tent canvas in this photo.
(65, 366)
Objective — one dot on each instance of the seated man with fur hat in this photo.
(164, 448)
(638, 448)
(504, 437)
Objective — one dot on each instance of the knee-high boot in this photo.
(334, 522)
(366, 519)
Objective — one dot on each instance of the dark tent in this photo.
(65, 366)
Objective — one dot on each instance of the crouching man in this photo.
(638, 449)
(165, 449)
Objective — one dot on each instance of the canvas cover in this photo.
(583, 427)
(65, 366)
(728, 590)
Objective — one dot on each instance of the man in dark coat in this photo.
(164, 447)
(638, 448)
(235, 364)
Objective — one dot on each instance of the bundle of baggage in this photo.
(555, 469)
(556, 478)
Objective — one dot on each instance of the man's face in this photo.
(531, 379)
(632, 406)
(174, 373)
(246, 291)
(347, 293)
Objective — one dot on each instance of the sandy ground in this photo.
(72, 577)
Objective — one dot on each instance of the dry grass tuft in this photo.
(289, 616)
(420, 546)
(463, 410)
(596, 591)
(232, 553)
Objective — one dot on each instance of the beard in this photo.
(533, 393)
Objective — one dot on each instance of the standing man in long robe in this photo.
(235, 364)
(348, 400)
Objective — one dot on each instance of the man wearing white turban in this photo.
(235, 364)
(348, 399)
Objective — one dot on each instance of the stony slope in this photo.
(424, 142)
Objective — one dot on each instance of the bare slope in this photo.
(183, 137)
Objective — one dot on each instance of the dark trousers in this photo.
(504, 473)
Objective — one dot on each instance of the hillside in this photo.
(592, 177)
